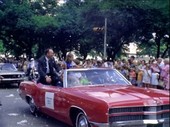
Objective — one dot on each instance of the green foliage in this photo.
(2, 49)
(41, 22)
(30, 27)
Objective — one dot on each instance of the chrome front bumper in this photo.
(135, 123)
(12, 79)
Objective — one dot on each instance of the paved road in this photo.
(15, 112)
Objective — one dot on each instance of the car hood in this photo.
(124, 96)
(5, 72)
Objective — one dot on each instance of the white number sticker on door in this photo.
(49, 100)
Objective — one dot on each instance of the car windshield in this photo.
(7, 67)
(95, 77)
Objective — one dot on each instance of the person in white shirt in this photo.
(147, 76)
(31, 69)
(155, 74)
(160, 63)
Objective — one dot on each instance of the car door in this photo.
(47, 96)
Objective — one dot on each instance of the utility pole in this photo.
(105, 38)
(101, 29)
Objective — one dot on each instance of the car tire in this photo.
(18, 84)
(33, 108)
(81, 120)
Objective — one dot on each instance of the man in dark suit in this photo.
(47, 69)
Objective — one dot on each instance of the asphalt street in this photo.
(14, 112)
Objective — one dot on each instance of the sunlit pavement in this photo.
(14, 112)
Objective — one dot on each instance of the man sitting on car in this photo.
(47, 69)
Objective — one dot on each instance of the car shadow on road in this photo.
(8, 86)
(42, 119)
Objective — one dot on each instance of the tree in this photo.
(136, 21)
(42, 23)
(16, 26)
(156, 20)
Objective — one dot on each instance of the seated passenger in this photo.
(84, 81)
(98, 78)
(73, 79)
(77, 79)
(46, 69)
(69, 61)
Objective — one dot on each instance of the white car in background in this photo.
(9, 74)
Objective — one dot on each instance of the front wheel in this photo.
(81, 120)
(33, 108)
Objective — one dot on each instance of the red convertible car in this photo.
(98, 98)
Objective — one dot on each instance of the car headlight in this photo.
(23, 75)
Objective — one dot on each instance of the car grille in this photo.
(125, 118)
(129, 109)
(12, 76)
(138, 117)
(139, 109)
(153, 112)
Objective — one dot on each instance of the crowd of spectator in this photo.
(153, 73)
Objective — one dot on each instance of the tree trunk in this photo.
(158, 43)
(164, 53)
(64, 53)
(84, 56)
(40, 50)
(29, 52)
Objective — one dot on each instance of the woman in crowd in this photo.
(132, 76)
(139, 77)
(165, 74)
(88, 64)
(147, 76)
(154, 74)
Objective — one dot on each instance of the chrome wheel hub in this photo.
(83, 122)
(32, 106)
